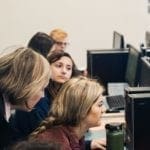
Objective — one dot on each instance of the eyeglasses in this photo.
(62, 43)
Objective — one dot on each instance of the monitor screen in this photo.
(107, 65)
(144, 79)
(133, 66)
(118, 40)
(147, 38)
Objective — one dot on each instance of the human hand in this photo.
(98, 144)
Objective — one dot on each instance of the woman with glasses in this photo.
(61, 39)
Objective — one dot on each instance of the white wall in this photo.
(90, 23)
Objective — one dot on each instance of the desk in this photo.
(99, 132)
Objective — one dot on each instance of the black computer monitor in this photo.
(133, 66)
(144, 78)
(118, 40)
(107, 65)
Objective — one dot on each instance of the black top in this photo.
(6, 131)
(27, 122)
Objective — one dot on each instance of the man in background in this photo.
(61, 39)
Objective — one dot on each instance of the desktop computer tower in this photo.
(137, 118)
(135, 90)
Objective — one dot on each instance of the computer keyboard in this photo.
(116, 102)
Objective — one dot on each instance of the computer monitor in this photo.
(118, 40)
(147, 38)
(107, 65)
(144, 78)
(133, 66)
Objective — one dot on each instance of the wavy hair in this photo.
(22, 74)
(72, 104)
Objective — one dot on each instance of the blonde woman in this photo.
(23, 76)
(76, 108)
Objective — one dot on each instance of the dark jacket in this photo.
(6, 131)
(26, 122)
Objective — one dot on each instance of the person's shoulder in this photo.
(56, 133)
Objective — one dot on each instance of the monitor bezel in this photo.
(122, 41)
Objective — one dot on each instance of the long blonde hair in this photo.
(72, 104)
(22, 73)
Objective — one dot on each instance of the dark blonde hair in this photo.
(72, 103)
(22, 73)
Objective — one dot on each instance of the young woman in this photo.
(63, 68)
(21, 86)
(76, 108)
